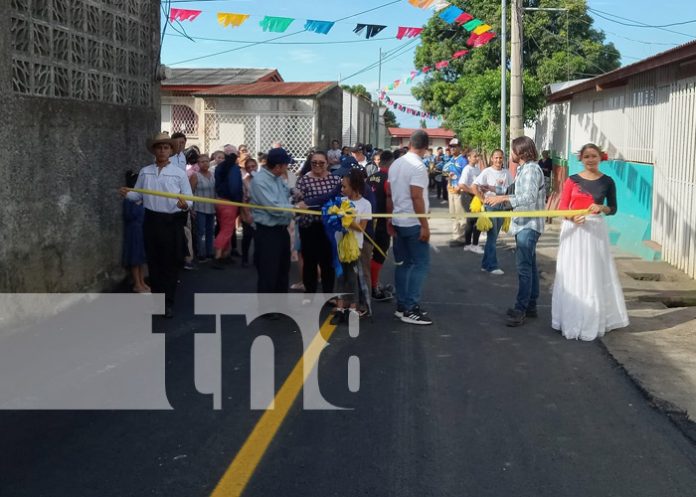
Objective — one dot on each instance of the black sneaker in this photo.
(417, 308)
(414, 316)
(379, 295)
(530, 313)
(515, 318)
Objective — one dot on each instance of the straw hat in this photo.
(157, 139)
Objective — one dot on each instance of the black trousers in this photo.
(165, 248)
(316, 251)
(470, 230)
(272, 258)
(248, 233)
(382, 239)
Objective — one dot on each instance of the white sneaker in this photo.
(476, 249)
(497, 272)
(398, 314)
(467, 248)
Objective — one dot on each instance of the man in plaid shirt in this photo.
(530, 195)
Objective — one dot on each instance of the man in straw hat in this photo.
(164, 218)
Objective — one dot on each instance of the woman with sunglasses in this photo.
(316, 248)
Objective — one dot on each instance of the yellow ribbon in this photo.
(431, 215)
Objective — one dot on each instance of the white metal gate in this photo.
(258, 131)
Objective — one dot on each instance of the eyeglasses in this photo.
(318, 163)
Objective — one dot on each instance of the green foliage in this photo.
(358, 90)
(390, 119)
(467, 92)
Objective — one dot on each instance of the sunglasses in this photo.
(318, 163)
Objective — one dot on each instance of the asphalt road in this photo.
(466, 407)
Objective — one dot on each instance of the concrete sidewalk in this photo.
(658, 349)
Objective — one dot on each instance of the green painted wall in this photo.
(632, 224)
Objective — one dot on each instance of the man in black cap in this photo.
(358, 153)
(272, 252)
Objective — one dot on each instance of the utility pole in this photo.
(516, 90)
(379, 89)
(503, 77)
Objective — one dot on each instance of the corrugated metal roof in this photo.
(217, 76)
(432, 132)
(271, 89)
(678, 54)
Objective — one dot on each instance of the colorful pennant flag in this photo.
(463, 18)
(372, 29)
(402, 108)
(230, 19)
(460, 53)
(450, 14)
(442, 64)
(481, 40)
(276, 24)
(183, 14)
(440, 4)
(473, 24)
(406, 32)
(421, 4)
(483, 28)
(321, 27)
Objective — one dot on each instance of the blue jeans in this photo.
(490, 257)
(205, 234)
(527, 273)
(412, 264)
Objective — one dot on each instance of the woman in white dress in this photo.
(587, 297)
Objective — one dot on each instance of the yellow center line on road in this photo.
(240, 471)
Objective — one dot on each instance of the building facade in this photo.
(256, 107)
(644, 116)
(439, 137)
(79, 81)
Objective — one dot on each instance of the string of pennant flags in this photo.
(406, 109)
(438, 66)
(481, 32)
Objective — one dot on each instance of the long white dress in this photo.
(587, 297)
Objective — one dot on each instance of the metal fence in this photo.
(258, 131)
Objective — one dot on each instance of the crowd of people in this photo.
(163, 235)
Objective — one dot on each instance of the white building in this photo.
(256, 107)
(644, 116)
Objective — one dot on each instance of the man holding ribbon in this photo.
(163, 226)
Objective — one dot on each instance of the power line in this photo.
(341, 42)
(589, 23)
(604, 15)
(280, 37)
(390, 56)
(644, 25)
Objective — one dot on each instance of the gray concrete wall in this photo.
(330, 109)
(64, 156)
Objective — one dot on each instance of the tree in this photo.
(467, 92)
(390, 118)
(358, 90)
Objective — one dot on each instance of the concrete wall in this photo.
(329, 126)
(65, 153)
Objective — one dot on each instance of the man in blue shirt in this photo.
(272, 251)
(452, 172)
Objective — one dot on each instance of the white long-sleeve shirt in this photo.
(169, 179)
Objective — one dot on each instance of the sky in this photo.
(316, 57)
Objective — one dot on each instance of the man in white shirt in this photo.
(408, 185)
(334, 155)
(178, 145)
(163, 227)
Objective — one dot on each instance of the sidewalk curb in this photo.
(678, 416)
